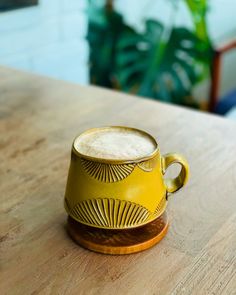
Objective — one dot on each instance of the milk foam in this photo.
(115, 143)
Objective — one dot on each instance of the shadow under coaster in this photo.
(125, 241)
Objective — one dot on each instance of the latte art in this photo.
(115, 143)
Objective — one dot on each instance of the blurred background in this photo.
(177, 51)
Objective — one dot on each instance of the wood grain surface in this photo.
(39, 118)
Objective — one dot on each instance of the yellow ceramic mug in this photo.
(120, 194)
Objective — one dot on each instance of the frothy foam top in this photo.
(115, 143)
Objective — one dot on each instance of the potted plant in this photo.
(160, 63)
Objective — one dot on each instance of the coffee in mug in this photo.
(116, 178)
(115, 143)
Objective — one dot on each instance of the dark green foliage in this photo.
(155, 63)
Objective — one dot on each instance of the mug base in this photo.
(117, 242)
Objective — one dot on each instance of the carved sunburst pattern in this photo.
(160, 207)
(110, 213)
(148, 165)
(107, 172)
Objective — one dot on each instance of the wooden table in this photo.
(39, 117)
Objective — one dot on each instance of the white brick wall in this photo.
(48, 39)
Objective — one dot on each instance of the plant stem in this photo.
(198, 13)
(159, 49)
(109, 5)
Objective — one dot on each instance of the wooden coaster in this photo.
(126, 241)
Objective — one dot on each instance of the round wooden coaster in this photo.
(124, 241)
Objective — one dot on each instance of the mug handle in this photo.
(173, 185)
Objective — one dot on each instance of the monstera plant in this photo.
(160, 63)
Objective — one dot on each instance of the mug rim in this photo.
(116, 161)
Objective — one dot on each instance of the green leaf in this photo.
(156, 63)
(198, 10)
(167, 74)
(104, 28)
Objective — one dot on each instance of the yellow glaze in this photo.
(116, 194)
